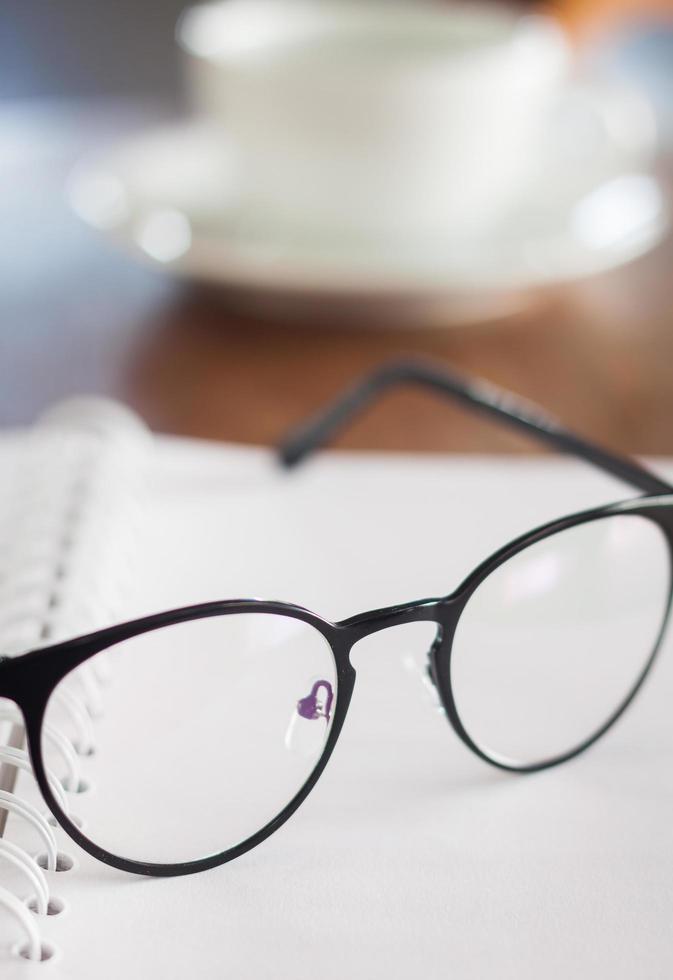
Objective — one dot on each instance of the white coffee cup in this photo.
(374, 118)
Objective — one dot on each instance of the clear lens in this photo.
(553, 641)
(207, 730)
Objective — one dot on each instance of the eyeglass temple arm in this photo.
(478, 395)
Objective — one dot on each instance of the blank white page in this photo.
(412, 857)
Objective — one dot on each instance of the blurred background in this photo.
(126, 269)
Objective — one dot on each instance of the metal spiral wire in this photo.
(68, 525)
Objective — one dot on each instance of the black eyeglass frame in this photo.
(30, 679)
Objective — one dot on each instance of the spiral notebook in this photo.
(411, 857)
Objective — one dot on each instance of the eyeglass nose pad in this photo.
(315, 706)
(430, 665)
(424, 669)
(301, 736)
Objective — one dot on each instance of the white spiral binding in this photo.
(67, 535)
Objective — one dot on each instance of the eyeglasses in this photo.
(534, 657)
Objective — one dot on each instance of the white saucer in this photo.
(590, 205)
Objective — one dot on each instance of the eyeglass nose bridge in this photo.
(442, 613)
(439, 611)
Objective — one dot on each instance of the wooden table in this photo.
(77, 316)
